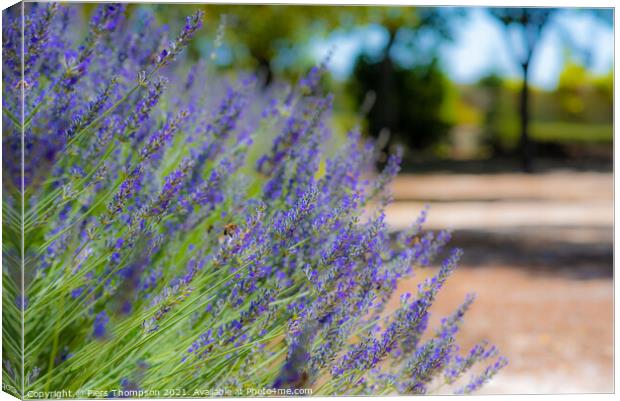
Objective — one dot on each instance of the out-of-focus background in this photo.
(505, 115)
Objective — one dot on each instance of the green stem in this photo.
(55, 343)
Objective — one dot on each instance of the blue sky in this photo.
(479, 48)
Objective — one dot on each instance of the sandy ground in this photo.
(539, 255)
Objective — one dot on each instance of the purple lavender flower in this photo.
(94, 108)
(105, 20)
(289, 220)
(477, 381)
(171, 187)
(36, 39)
(192, 24)
(144, 107)
(162, 136)
(99, 325)
(128, 188)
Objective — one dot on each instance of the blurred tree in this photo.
(409, 90)
(256, 36)
(525, 27)
(404, 76)
(268, 36)
(605, 87)
(265, 33)
(584, 97)
(408, 101)
(492, 87)
(571, 86)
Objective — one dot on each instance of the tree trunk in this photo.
(525, 143)
(264, 71)
(386, 88)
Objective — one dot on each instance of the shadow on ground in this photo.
(541, 250)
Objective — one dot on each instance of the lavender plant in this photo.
(168, 249)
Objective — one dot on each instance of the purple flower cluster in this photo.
(157, 218)
(192, 24)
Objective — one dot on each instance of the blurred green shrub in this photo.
(408, 101)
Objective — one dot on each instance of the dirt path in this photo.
(504, 200)
(539, 255)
